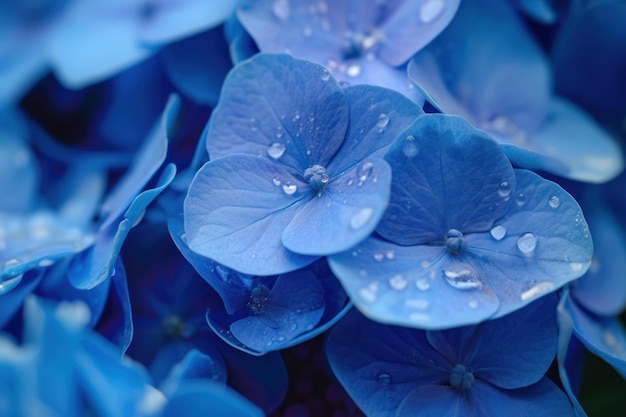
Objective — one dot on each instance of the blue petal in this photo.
(446, 175)
(15, 291)
(404, 285)
(281, 108)
(435, 400)
(116, 321)
(343, 213)
(605, 337)
(380, 365)
(602, 290)
(170, 21)
(544, 11)
(242, 229)
(202, 398)
(196, 365)
(543, 399)
(511, 352)
(295, 305)
(377, 117)
(198, 65)
(94, 265)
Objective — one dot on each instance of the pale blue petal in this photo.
(242, 229)
(281, 108)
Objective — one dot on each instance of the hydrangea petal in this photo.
(294, 305)
(19, 170)
(14, 292)
(116, 321)
(364, 355)
(343, 213)
(242, 229)
(446, 175)
(406, 285)
(434, 400)
(526, 338)
(282, 108)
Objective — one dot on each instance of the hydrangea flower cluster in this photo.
(303, 207)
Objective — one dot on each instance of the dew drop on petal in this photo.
(473, 304)
(536, 290)
(431, 10)
(521, 199)
(422, 284)
(276, 150)
(279, 132)
(398, 282)
(289, 187)
(390, 254)
(527, 243)
(353, 70)
(498, 232)
(504, 189)
(554, 201)
(383, 378)
(276, 181)
(462, 276)
(379, 257)
(363, 172)
(325, 75)
(361, 217)
(281, 9)
(409, 147)
(370, 292)
(383, 121)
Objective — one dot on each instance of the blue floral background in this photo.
(300, 208)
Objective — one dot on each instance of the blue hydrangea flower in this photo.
(102, 37)
(295, 170)
(471, 76)
(367, 44)
(465, 237)
(485, 370)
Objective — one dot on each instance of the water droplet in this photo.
(383, 378)
(363, 172)
(45, 262)
(473, 304)
(431, 10)
(409, 147)
(276, 181)
(498, 232)
(398, 282)
(361, 217)
(383, 121)
(527, 243)
(504, 189)
(325, 75)
(536, 290)
(422, 284)
(379, 257)
(289, 187)
(276, 150)
(521, 199)
(281, 9)
(370, 292)
(576, 266)
(353, 70)
(554, 201)
(390, 254)
(462, 276)
(279, 132)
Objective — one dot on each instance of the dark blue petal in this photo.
(446, 175)
(543, 399)
(285, 109)
(236, 210)
(343, 213)
(406, 285)
(116, 321)
(195, 365)
(202, 398)
(511, 352)
(294, 305)
(380, 365)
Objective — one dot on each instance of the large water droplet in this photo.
(527, 243)
(462, 276)
(398, 282)
(383, 378)
(281, 9)
(383, 121)
(554, 201)
(276, 150)
(498, 232)
(325, 75)
(431, 10)
(363, 172)
(289, 187)
(536, 290)
(361, 217)
(504, 189)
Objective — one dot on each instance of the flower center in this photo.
(454, 241)
(174, 327)
(258, 298)
(316, 176)
(358, 45)
(461, 377)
